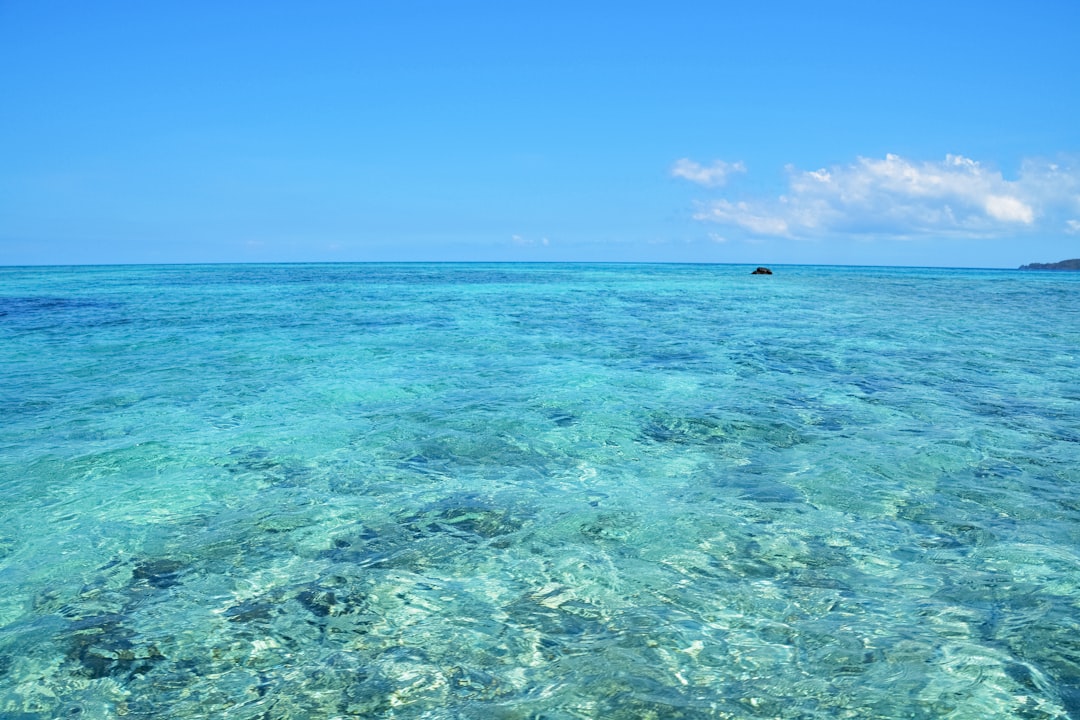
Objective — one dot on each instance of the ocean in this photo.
(539, 492)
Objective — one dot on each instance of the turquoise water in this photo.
(549, 491)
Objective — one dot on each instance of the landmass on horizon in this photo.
(1073, 264)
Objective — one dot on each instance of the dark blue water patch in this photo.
(467, 515)
(462, 450)
(390, 545)
(1069, 693)
(876, 385)
(824, 574)
(752, 482)
(677, 358)
(566, 628)
(664, 427)
(433, 462)
(1062, 433)
(382, 320)
(159, 573)
(791, 359)
(15, 307)
(438, 534)
(1038, 629)
(14, 408)
(107, 647)
(472, 685)
(1015, 412)
(8, 544)
(939, 526)
(475, 520)
(752, 496)
(562, 418)
(995, 492)
(995, 469)
(611, 528)
(335, 596)
(73, 314)
(643, 693)
(256, 610)
(99, 622)
(474, 276)
(270, 468)
(335, 278)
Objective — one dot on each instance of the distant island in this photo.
(1073, 264)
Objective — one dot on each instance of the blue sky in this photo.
(914, 133)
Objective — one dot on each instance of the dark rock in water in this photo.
(607, 526)
(465, 516)
(391, 546)
(274, 470)
(161, 573)
(563, 419)
(108, 648)
(332, 597)
(252, 611)
(320, 601)
(485, 522)
(1073, 264)
(762, 271)
(666, 428)
(765, 491)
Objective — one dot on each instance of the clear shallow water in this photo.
(553, 491)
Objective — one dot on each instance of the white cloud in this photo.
(741, 214)
(896, 197)
(1072, 226)
(710, 176)
(1009, 209)
(528, 242)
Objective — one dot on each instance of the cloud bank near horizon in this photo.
(898, 198)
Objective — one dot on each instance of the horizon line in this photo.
(223, 263)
